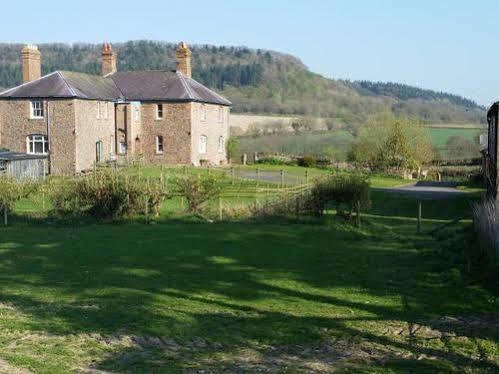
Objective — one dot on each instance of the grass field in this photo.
(335, 144)
(241, 297)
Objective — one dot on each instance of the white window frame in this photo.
(220, 114)
(136, 112)
(122, 148)
(203, 112)
(221, 144)
(203, 144)
(159, 151)
(33, 139)
(160, 117)
(36, 109)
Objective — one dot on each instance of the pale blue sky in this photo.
(448, 45)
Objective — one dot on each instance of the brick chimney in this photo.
(30, 57)
(184, 59)
(108, 59)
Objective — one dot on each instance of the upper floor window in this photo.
(203, 141)
(102, 112)
(220, 114)
(37, 109)
(136, 112)
(159, 111)
(37, 144)
(203, 112)
(159, 144)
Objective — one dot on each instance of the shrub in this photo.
(307, 161)
(274, 160)
(106, 194)
(340, 190)
(198, 189)
(12, 190)
(232, 148)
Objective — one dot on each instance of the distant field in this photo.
(244, 121)
(440, 135)
(335, 144)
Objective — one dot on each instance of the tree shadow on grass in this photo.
(237, 286)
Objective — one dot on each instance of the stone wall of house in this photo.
(214, 128)
(92, 128)
(17, 125)
(174, 127)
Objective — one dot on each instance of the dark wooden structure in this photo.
(22, 165)
(490, 153)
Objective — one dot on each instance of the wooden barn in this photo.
(22, 165)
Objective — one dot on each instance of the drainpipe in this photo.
(48, 137)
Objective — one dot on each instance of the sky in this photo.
(445, 45)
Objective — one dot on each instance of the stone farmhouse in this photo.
(78, 119)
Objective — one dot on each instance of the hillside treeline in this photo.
(259, 81)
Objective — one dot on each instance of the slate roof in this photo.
(13, 156)
(129, 86)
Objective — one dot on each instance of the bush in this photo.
(274, 160)
(340, 190)
(106, 194)
(198, 189)
(307, 161)
(12, 190)
(232, 148)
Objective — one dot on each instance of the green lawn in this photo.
(231, 297)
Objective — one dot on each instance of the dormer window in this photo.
(159, 111)
(37, 109)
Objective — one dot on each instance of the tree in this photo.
(388, 142)
(232, 148)
(461, 148)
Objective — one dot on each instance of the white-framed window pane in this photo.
(37, 109)
(122, 148)
(159, 144)
(203, 140)
(37, 144)
(220, 114)
(221, 144)
(203, 112)
(159, 111)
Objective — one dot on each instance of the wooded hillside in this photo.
(259, 81)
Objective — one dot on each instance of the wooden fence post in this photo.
(357, 208)
(306, 176)
(419, 216)
(282, 178)
(220, 213)
(5, 215)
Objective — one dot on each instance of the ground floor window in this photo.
(221, 144)
(159, 144)
(37, 144)
(203, 141)
(122, 148)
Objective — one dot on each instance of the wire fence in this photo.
(242, 189)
